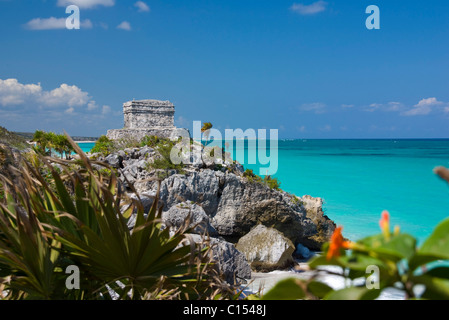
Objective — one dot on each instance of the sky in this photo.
(311, 69)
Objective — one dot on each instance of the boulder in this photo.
(234, 204)
(230, 261)
(201, 187)
(145, 152)
(266, 247)
(114, 160)
(244, 204)
(325, 226)
(176, 216)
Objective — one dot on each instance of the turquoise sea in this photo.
(86, 146)
(358, 179)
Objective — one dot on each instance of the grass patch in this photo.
(272, 183)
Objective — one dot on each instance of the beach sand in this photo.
(263, 282)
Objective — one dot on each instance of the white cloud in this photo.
(394, 106)
(91, 105)
(53, 23)
(310, 9)
(373, 107)
(86, 4)
(142, 6)
(347, 106)
(105, 110)
(424, 107)
(13, 93)
(316, 107)
(64, 95)
(86, 24)
(70, 110)
(386, 107)
(125, 25)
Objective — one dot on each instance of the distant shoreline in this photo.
(78, 139)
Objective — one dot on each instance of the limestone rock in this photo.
(176, 216)
(114, 160)
(231, 262)
(233, 204)
(200, 187)
(325, 226)
(267, 246)
(244, 204)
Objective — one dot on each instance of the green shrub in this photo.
(83, 222)
(150, 141)
(104, 146)
(163, 161)
(13, 139)
(297, 201)
(270, 182)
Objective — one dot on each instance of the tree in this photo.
(58, 144)
(206, 130)
(68, 148)
(40, 139)
(62, 145)
(51, 138)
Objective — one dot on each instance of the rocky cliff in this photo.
(223, 202)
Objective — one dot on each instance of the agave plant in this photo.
(81, 218)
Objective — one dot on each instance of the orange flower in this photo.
(384, 223)
(337, 243)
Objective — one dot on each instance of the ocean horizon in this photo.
(359, 178)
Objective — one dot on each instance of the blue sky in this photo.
(308, 68)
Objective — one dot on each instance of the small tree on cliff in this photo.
(206, 130)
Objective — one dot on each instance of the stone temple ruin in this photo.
(146, 118)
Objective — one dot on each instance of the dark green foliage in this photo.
(270, 182)
(163, 161)
(12, 139)
(103, 145)
(151, 141)
(206, 126)
(48, 141)
(82, 220)
(297, 201)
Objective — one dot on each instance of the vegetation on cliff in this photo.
(60, 216)
(13, 139)
(78, 224)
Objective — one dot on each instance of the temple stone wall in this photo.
(148, 114)
(146, 118)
